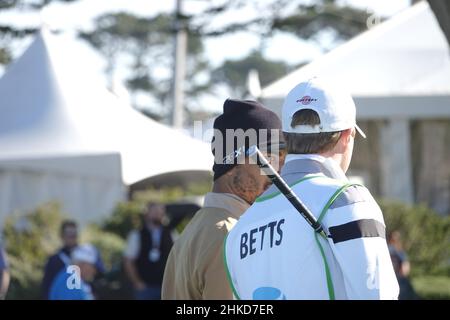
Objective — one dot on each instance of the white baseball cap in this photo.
(334, 106)
(85, 253)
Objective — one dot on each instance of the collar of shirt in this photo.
(312, 163)
(226, 201)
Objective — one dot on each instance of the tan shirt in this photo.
(195, 269)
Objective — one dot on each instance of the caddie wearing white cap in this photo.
(273, 253)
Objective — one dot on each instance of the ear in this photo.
(346, 135)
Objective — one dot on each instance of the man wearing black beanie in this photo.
(195, 268)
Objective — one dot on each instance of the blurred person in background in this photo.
(74, 281)
(61, 259)
(401, 265)
(146, 254)
(4, 273)
(396, 250)
(195, 269)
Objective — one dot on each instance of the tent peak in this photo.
(409, 45)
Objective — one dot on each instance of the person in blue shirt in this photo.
(61, 259)
(4, 273)
(73, 282)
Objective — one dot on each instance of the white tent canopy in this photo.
(405, 58)
(57, 124)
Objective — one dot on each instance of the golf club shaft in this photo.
(273, 175)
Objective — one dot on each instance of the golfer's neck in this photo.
(222, 187)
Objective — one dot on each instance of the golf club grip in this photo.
(286, 190)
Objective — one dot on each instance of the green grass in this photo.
(432, 287)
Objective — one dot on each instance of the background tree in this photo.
(146, 44)
(234, 72)
(139, 49)
(305, 19)
(9, 33)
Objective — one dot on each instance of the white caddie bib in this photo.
(266, 243)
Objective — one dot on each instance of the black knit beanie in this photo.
(242, 114)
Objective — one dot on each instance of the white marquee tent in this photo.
(64, 137)
(407, 55)
(397, 71)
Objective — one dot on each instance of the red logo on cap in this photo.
(306, 100)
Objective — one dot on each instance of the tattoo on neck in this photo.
(245, 186)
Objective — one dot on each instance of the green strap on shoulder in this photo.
(325, 209)
(330, 285)
(273, 195)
